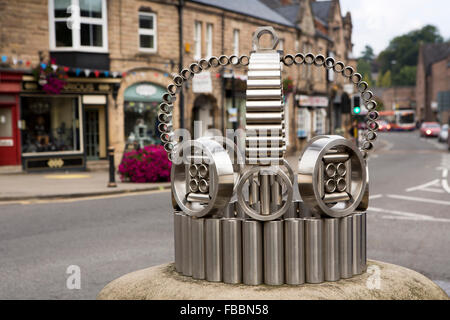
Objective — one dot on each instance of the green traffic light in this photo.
(356, 110)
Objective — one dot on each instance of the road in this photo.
(408, 224)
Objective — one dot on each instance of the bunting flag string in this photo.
(5, 59)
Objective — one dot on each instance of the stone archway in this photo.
(116, 114)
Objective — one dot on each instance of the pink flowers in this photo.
(145, 165)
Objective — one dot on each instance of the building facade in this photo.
(398, 98)
(433, 83)
(90, 74)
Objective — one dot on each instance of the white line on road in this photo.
(444, 181)
(377, 196)
(396, 196)
(402, 215)
(428, 184)
(433, 190)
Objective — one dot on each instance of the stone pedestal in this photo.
(162, 282)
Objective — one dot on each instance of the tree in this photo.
(368, 53)
(365, 70)
(406, 76)
(385, 80)
(404, 51)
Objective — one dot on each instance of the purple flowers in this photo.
(145, 165)
(54, 85)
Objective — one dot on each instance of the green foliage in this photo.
(368, 53)
(406, 76)
(365, 70)
(385, 80)
(403, 51)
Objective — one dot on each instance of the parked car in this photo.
(430, 129)
(443, 135)
(384, 126)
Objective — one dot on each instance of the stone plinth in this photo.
(163, 282)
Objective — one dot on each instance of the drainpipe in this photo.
(180, 65)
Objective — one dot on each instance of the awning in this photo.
(144, 92)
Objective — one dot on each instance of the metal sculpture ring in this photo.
(332, 176)
(277, 171)
(216, 191)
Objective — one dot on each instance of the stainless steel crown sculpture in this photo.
(266, 237)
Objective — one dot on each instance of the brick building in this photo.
(433, 83)
(117, 57)
(398, 98)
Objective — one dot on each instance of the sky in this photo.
(376, 22)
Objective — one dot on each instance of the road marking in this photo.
(69, 200)
(377, 196)
(402, 215)
(428, 184)
(396, 196)
(433, 190)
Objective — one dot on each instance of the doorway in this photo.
(203, 114)
(95, 132)
(9, 146)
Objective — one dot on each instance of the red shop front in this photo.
(10, 86)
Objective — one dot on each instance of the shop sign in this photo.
(201, 83)
(6, 143)
(146, 90)
(311, 101)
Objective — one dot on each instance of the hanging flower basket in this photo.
(50, 77)
(149, 164)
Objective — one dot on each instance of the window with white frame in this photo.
(78, 25)
(236, 42)
(209, 40)
(306, 67)
(147, 32)
(197, 40)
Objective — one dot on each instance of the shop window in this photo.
(147, 32)
(319, 121)
(79, 25)
(141, 123)
(50, 124)
(303, 123)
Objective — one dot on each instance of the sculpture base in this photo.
(164, 283)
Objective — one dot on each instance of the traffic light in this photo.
(356, 105)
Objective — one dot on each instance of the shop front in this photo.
(141, 102)
(10, 86)
(62, 132)
(311, 115)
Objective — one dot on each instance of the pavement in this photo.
(107, 236)
(38, 186)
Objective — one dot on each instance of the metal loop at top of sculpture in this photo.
(332, 173)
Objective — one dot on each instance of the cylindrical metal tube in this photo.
(294, 240)
(313, 250)
(357, 224)
(273, 253)
(252, 257)
(197, 197)
(292, 212)
(232, 250)
(253, 198)
(276, 196)
(331, 249)
(177, 217)
(264, 191)
(229, 211)
(346, 247)
(213, 249)
(336, 197)
(186, 238)
(364, 242)
(198, 248)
